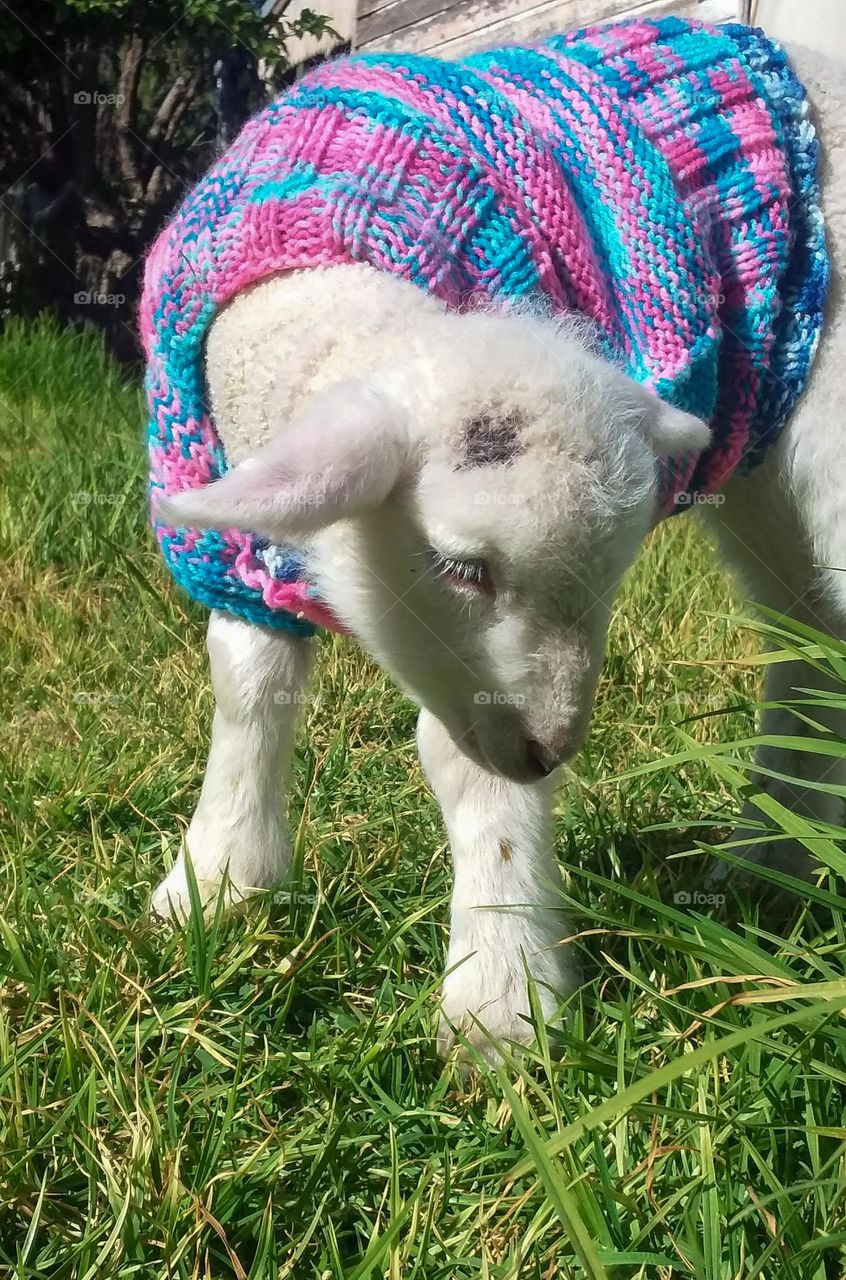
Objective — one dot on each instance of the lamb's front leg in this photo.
(258, 676)
(505, 918)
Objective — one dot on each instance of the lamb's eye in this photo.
(469, 575)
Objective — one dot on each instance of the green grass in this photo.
(264, 1100)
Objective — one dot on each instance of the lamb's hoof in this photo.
(490, 1042)
(488, 1007)
(171, 900)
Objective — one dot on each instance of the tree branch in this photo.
(125, 116)
(168, 105)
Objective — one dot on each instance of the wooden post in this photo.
(452, 29)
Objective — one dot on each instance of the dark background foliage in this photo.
(109, 110)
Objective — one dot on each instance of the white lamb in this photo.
(346, 426)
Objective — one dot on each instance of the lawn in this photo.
(264, 1100)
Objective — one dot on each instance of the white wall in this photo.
(451, 28)
(819, 24)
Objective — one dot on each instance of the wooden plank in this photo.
(475, 24)
(559, 16)
(366, 7)
(395, 26)
(398, 16)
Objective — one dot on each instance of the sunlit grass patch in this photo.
(263, 1099)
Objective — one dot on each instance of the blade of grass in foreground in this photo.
(559, 1195)
(652, 1081)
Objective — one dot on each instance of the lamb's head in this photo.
(468, 516)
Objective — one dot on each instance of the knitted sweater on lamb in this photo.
(658, 177)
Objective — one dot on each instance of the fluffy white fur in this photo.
(345, 396)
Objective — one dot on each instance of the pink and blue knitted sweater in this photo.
(658, 177)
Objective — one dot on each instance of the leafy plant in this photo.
(109, 110)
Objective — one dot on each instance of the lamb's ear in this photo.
(345, 453)
(670, 431)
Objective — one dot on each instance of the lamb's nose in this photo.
(540, 758)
